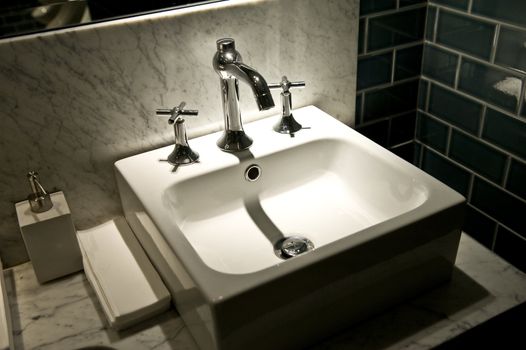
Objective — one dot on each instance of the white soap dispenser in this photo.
(48, 232)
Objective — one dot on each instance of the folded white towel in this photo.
(127, 285)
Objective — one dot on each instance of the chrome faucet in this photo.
(230, 67)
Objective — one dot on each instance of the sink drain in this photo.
(292, 246)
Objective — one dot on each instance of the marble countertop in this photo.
(65, 314)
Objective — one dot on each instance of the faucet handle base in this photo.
(234, 141)
(182, 155)
(287, 125)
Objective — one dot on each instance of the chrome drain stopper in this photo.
(295, 245)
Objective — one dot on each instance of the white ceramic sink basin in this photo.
(382, 231)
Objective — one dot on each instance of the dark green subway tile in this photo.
(511, 247)
(374, 70)
(490, 84)
(406, 152)
(431, 132)
(422, 94)
(396, 29)
(358, 109)
(523, 110)
(446, 171)
(430, 22)
(361, 36)
(510, 49)
(500, 205)
(439, 64)
(479, 226)
(505, 131)
(455, 108)
(509, 10)
(391, 100)
(402, 128)
(371, 6)
(516, 182)
(404, 3)
(408, 62)
(466, 34)
(459, 4)
(479, 157)
(378, 132)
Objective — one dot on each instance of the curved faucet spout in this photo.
(229, 66)
(255, 80)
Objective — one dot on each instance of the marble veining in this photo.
(76, 100)
(66, 315)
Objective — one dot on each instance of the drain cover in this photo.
(294, 245)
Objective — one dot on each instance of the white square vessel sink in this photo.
(382, 230)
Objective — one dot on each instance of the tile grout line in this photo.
(362, 109)
(457, 72)
(428, 96)
(494, 219)
(393, 65)
(494, 44)
(401, 144)
(507, 167)
(494, 238)
(387, 85)
(470, 6)
(522, 97)
(448, 142)
(482, 121)
(435, 25)
(477, 99)
(387, 49)
(365, 35)
(470, 187)
(391, 116)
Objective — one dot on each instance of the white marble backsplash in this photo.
(74, 101)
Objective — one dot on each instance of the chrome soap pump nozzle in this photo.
(39, 199)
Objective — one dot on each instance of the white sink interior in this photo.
(323, 190)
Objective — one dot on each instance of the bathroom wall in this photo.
(74, 101)
(390, 55)
(472, 115)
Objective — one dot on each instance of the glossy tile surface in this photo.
(517, 178)
(395, 29)
(439, 64)
(446, 171)
(477, 156)
(510, 10)
(511, 247)
(499, 205)
(402, 128)
(395, 99)
(465, 33)
(374, 70)
(455, 108)
(431, 132)
(490, 84)
(479, 226)
(371, 6)
(460, 4)
(408, 62)
(378, 132)
(505, 131)
(511, 50)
